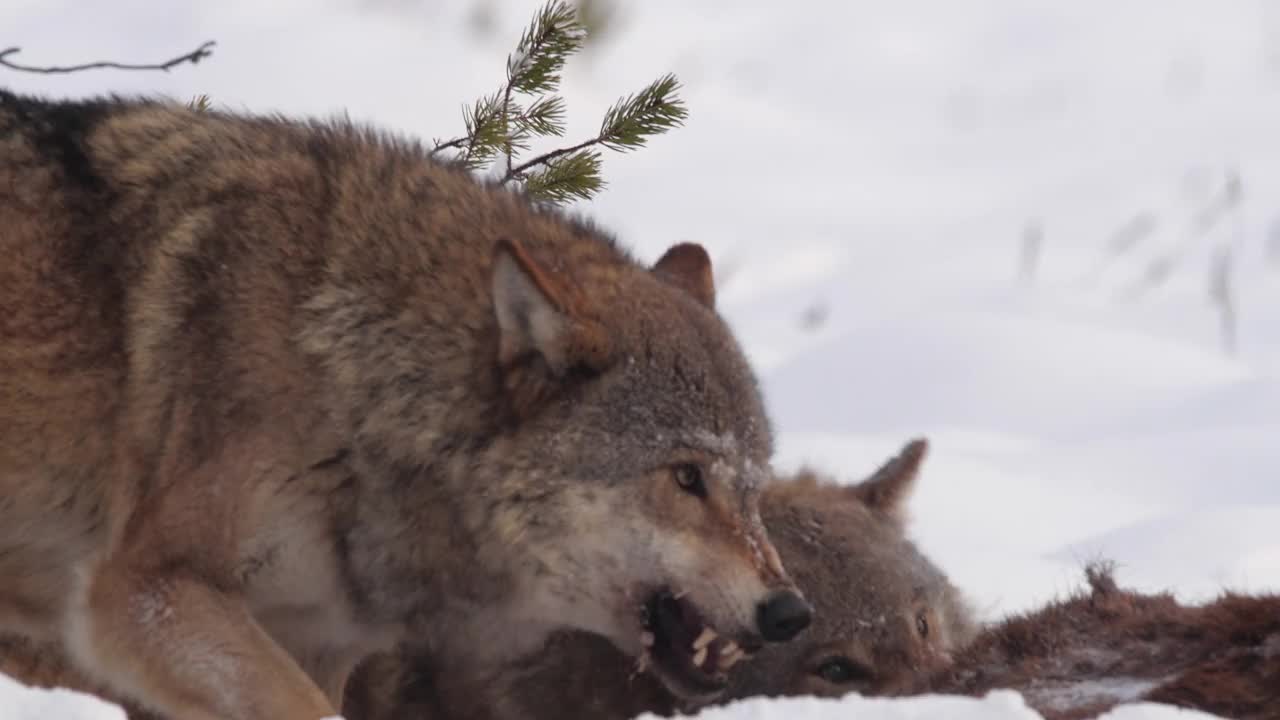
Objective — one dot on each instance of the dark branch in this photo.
(193, 57)
(548, 157)
(456, 142)
(506, 121)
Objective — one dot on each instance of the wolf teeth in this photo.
(730, 654)
(704, 639)
(646, 639)
(728, 661)
(700, 658)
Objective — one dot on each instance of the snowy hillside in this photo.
(874, 166)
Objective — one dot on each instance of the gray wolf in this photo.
(278, 394)
(885, 617)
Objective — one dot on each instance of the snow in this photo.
(22, 703)
(18, 702)
(997, 705)
(1062, 697)
(517, 63)
(875, 165)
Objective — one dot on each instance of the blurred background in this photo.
(1045, 235)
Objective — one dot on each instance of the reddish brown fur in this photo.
(688, 266)
(1222, 658)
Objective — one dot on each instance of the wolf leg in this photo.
(187, 650)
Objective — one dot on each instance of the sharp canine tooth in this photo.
(704, 639)
(700, 657)
(646, 639)
(729, 647)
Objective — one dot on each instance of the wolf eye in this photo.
(922, 625)
(840, 670)
(689, 478)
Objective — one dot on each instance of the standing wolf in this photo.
(886, 618)
(275, 395)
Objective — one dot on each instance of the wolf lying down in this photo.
(885, 616)
(277, 395)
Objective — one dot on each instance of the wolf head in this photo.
(886, 613)
(645, 529)
(584, 425)
(885, 618)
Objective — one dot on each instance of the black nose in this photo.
(783, 616)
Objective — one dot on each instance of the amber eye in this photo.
(689, 478)
(840, 670)
(922, 625)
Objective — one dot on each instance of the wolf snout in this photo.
(783, 615)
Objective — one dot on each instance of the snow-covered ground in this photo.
(876, 164)
(18, 702)
(22, 703)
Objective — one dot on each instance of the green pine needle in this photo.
(498, 128)
(550, 39)
(200, 103)
(575, 176)
(486, 130)
(544, 117)
(652, 111)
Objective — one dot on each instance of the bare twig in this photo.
(193, 57)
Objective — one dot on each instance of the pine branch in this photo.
(193, 57)
(569, 176)
(449, 145)
(509, 140)
(544, 117)
(654, 110)
(547, 158)
(627, 124)
(535, 67)
(498, 127)
(546, 44)
(485, 131)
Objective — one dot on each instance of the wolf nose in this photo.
(782, 616)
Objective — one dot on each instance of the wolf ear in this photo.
(890, 486)
(688, 267)
(536, 317)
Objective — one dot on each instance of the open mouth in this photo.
(689, 656)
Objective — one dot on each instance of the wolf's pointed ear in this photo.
(537, 317)
(688, 267)
(890, 486)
